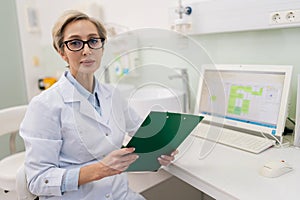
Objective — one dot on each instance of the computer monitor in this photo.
(251, 97)
(297, 120)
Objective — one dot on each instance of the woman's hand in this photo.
(119, 160)
(165, 160)
(114, 163)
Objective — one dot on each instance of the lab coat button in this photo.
(106, 134)
(107, 195)
(46, 181)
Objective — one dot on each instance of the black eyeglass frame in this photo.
(84, 42)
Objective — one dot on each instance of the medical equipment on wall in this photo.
(46, 82)
(183, 23)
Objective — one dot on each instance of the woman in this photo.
(73, 131)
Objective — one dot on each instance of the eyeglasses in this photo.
(77, 45)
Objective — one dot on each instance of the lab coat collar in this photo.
(71, 95)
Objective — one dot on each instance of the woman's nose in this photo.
(86, 49)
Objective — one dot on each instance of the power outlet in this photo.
(284, 17)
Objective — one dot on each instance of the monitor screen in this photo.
(250, 96)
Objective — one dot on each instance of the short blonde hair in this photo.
(68, 17)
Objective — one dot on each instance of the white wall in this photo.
(135, 14)
(33, 40)
(12, 87)
(40, 59)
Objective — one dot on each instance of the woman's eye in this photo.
(93, 41)
(75, 43)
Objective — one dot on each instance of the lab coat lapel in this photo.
(105, 99)
(71, 95)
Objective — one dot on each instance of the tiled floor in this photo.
(8, 196)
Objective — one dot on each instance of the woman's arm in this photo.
(41, 133)
(114, 163)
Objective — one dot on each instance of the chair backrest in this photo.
(21, 186)
(11, 118)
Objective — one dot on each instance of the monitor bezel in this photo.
(283, 110)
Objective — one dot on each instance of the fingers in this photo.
(174, 153)
(119, 160)
(165, 160)
(125, 151)
(128, 158)
(126, 161)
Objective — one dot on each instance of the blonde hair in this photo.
(68, 17)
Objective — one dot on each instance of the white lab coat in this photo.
(62, 130)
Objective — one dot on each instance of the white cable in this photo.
(280, 145)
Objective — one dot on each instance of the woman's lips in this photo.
(87, 62)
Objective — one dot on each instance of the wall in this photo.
(12, 87)
(276, 46)
(223, 47)
(39, 57)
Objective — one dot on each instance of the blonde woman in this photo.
(74, 130)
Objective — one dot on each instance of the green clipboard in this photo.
(160, 134)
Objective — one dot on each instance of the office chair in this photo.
(21, 186)
(10, 119)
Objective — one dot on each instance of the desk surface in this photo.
(227, 173)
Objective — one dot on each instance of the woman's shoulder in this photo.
(48, 98)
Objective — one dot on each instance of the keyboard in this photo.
(233, 138)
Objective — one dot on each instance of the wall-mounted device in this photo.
(182, 23)
(45, 83)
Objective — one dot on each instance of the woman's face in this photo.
(86, 60)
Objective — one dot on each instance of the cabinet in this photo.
(215, 16)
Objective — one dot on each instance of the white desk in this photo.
(228, 173)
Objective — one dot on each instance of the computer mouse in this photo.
(274, 169)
